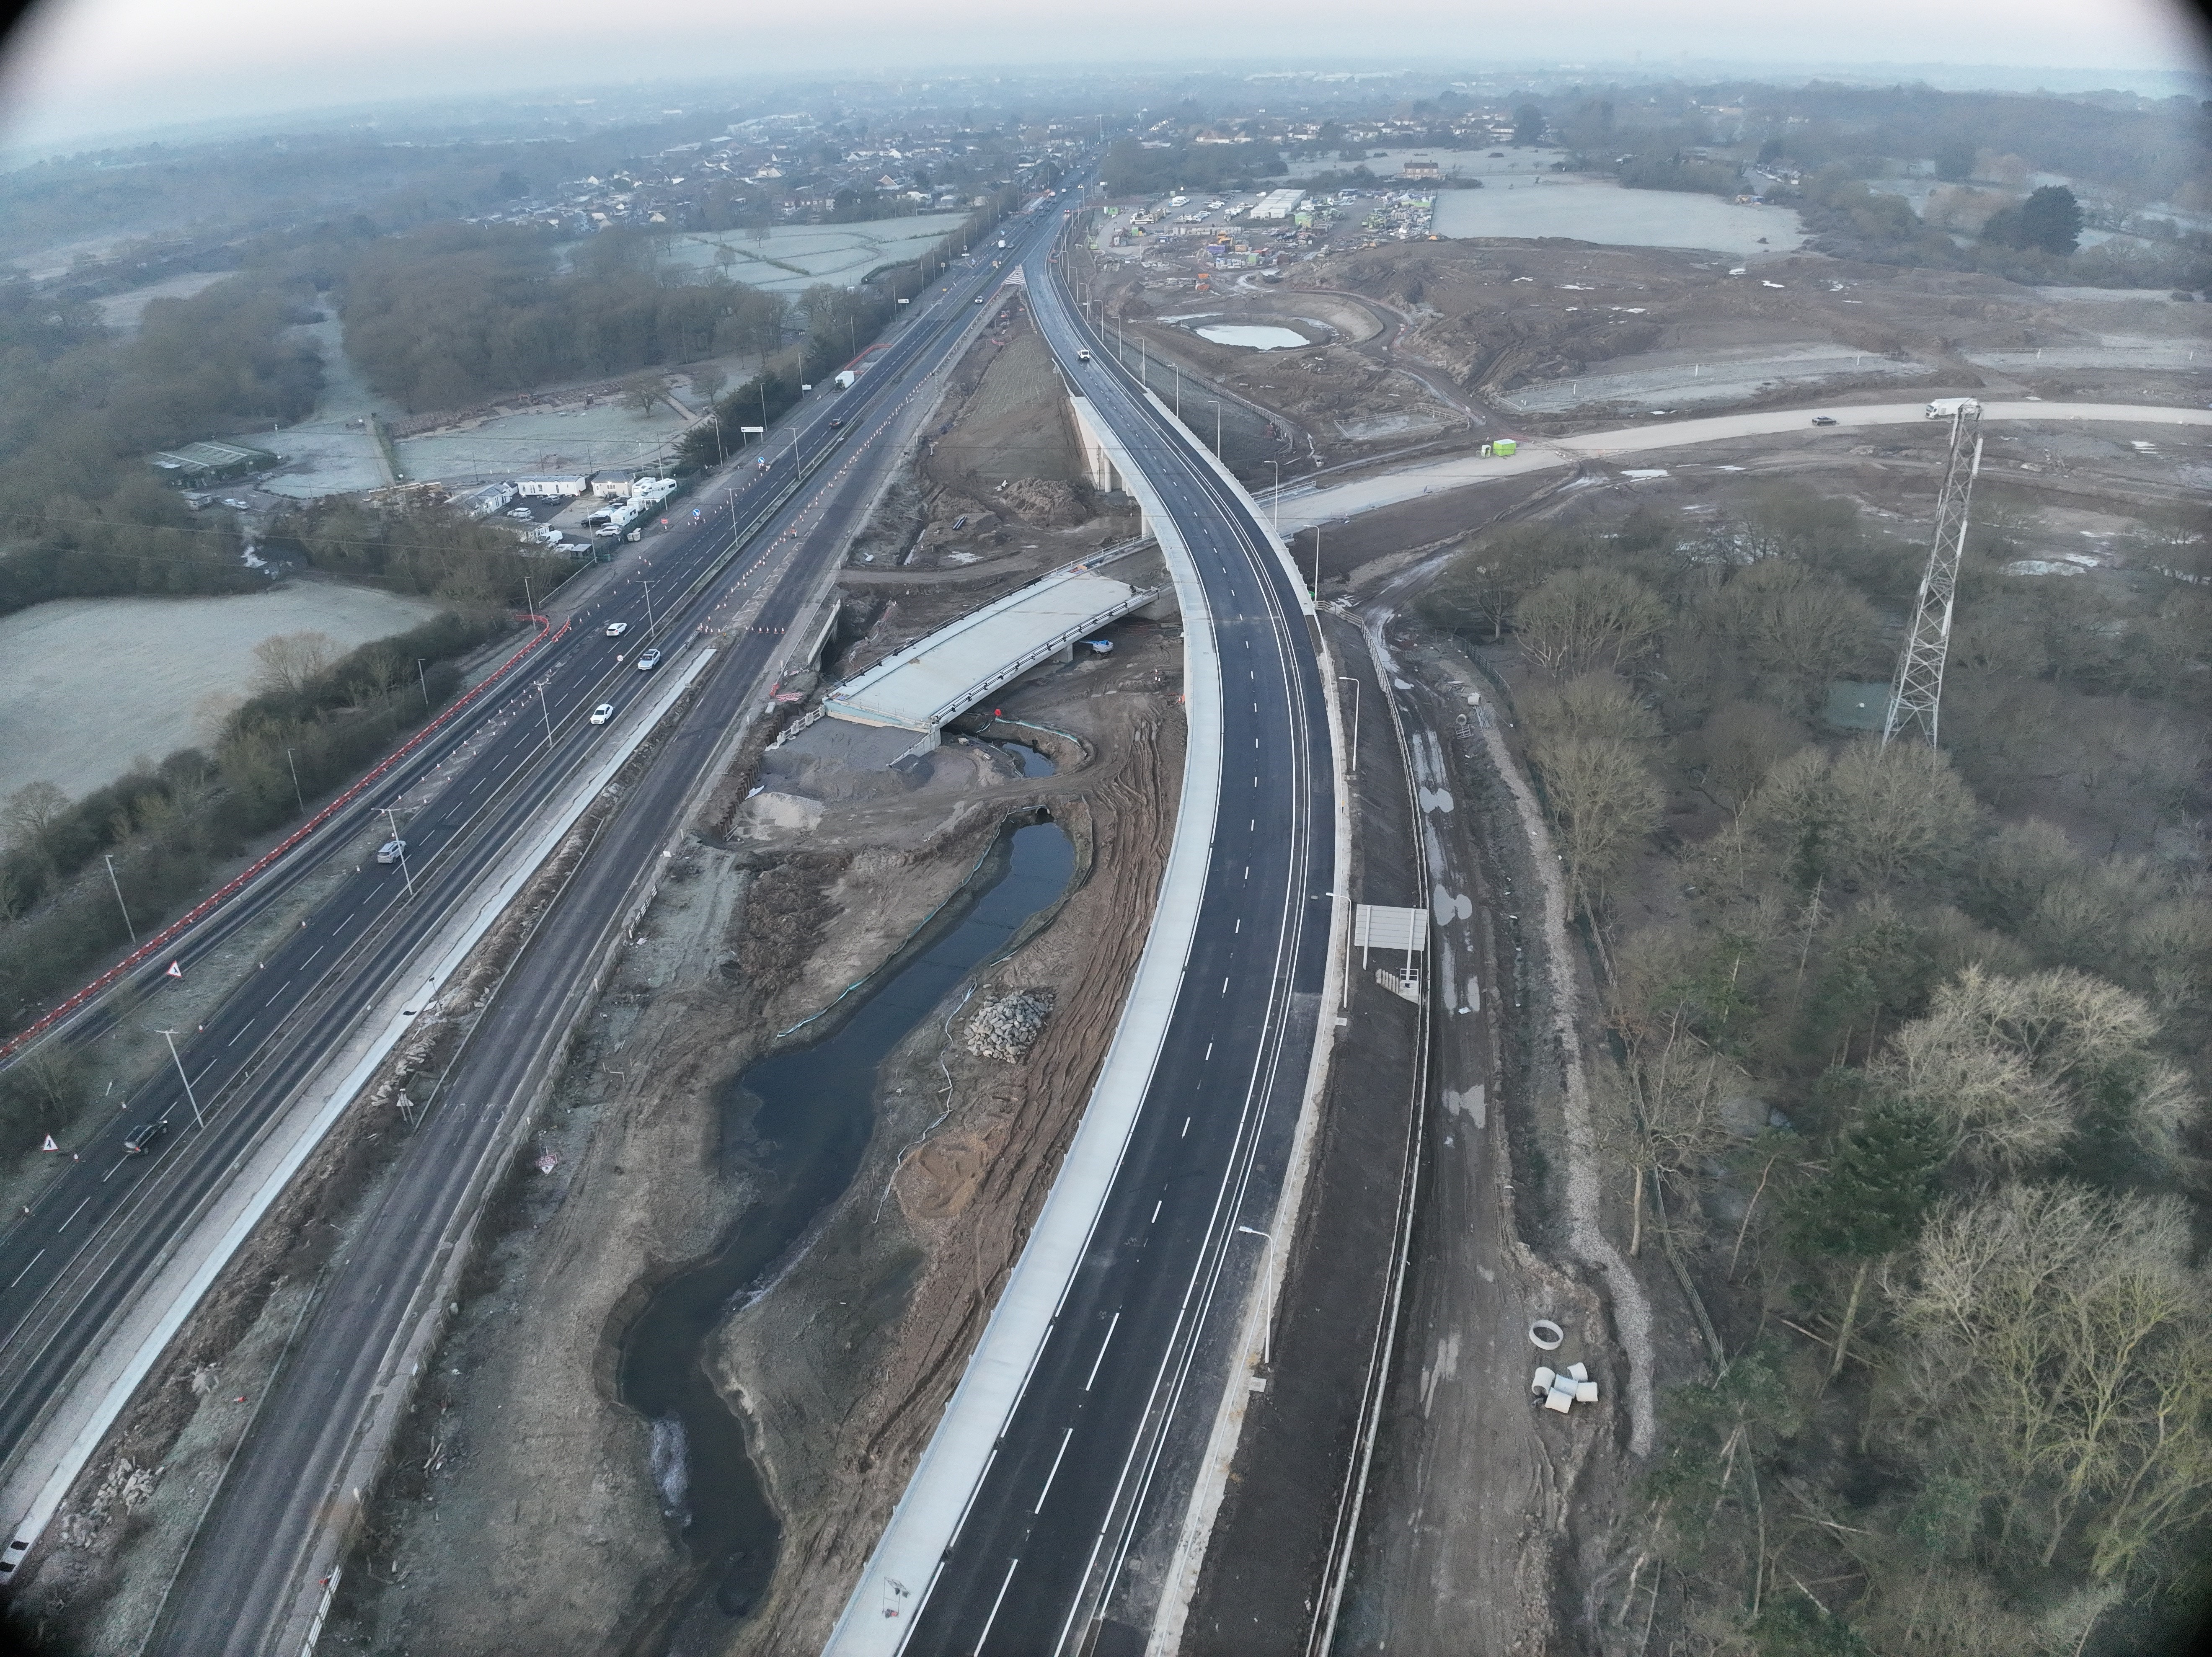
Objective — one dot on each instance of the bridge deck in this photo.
(939, 677)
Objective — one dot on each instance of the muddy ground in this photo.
(521, 1496)
(1425, 344)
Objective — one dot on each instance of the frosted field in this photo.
(797, 256)
(123, 312)
(330, 452)
(1599, 210)
(92, 683)
(535, 440)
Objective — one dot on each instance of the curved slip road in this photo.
(1038, 1526)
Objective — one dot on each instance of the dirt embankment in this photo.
(522, 1496)
(846, 1368)
(998, 486)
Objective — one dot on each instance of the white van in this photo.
(1944, 407)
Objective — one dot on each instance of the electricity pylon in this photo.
(1917, 696)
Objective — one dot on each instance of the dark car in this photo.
(143, 1137)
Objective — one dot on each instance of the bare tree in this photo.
(288, 661)
(1603, 802)
(1738, 744)
(2059, 1341)
(28, 813)
(1596, 705)
(2016, 1066)
(1593, 617)
(1874, 813)
(1792, 622)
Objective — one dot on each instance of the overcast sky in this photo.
(82, 68)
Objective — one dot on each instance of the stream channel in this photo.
(798, 1122)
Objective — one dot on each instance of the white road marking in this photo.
(1055, 1473)
(40, 1255)
(1011, 1564)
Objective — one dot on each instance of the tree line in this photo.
(82, 513)
(449, 315)
(414, 543)
(1132, 168)
(1957, 1394)
(317, 719)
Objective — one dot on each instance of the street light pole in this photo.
(298, 798)
(1354, 684)
(1216, 431)
(1275, 501)
(119, 903)
(1316, 580)
(546, 713)
(423, 680)
(1267, 1288)
(190, 1097)
(648, 606)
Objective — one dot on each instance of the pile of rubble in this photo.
(1007, 1028)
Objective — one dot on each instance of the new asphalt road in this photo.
(1094, 1468)
(71, 1265)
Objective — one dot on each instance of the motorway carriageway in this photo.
(71, 1265)
(1096, 1458)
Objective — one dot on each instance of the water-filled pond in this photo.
(1253, 335)
(798, 1122)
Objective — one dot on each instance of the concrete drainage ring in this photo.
(1545, 1335)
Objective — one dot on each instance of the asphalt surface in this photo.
(1287, 1514)
(1303, 505)
(1094, 1468)
(70, 1266)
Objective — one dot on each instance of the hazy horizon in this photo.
(75, 72)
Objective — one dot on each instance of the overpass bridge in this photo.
(903, 703)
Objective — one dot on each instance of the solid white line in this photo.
(1054, 1471)
(74, 1212)
(1011, 1566)
(1103, 1344)
(41, 1255)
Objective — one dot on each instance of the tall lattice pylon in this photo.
(1916, 697)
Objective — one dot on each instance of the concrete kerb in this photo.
(879, 1614)
(69, 1437)
(1282, 547)
(1212, 1484)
